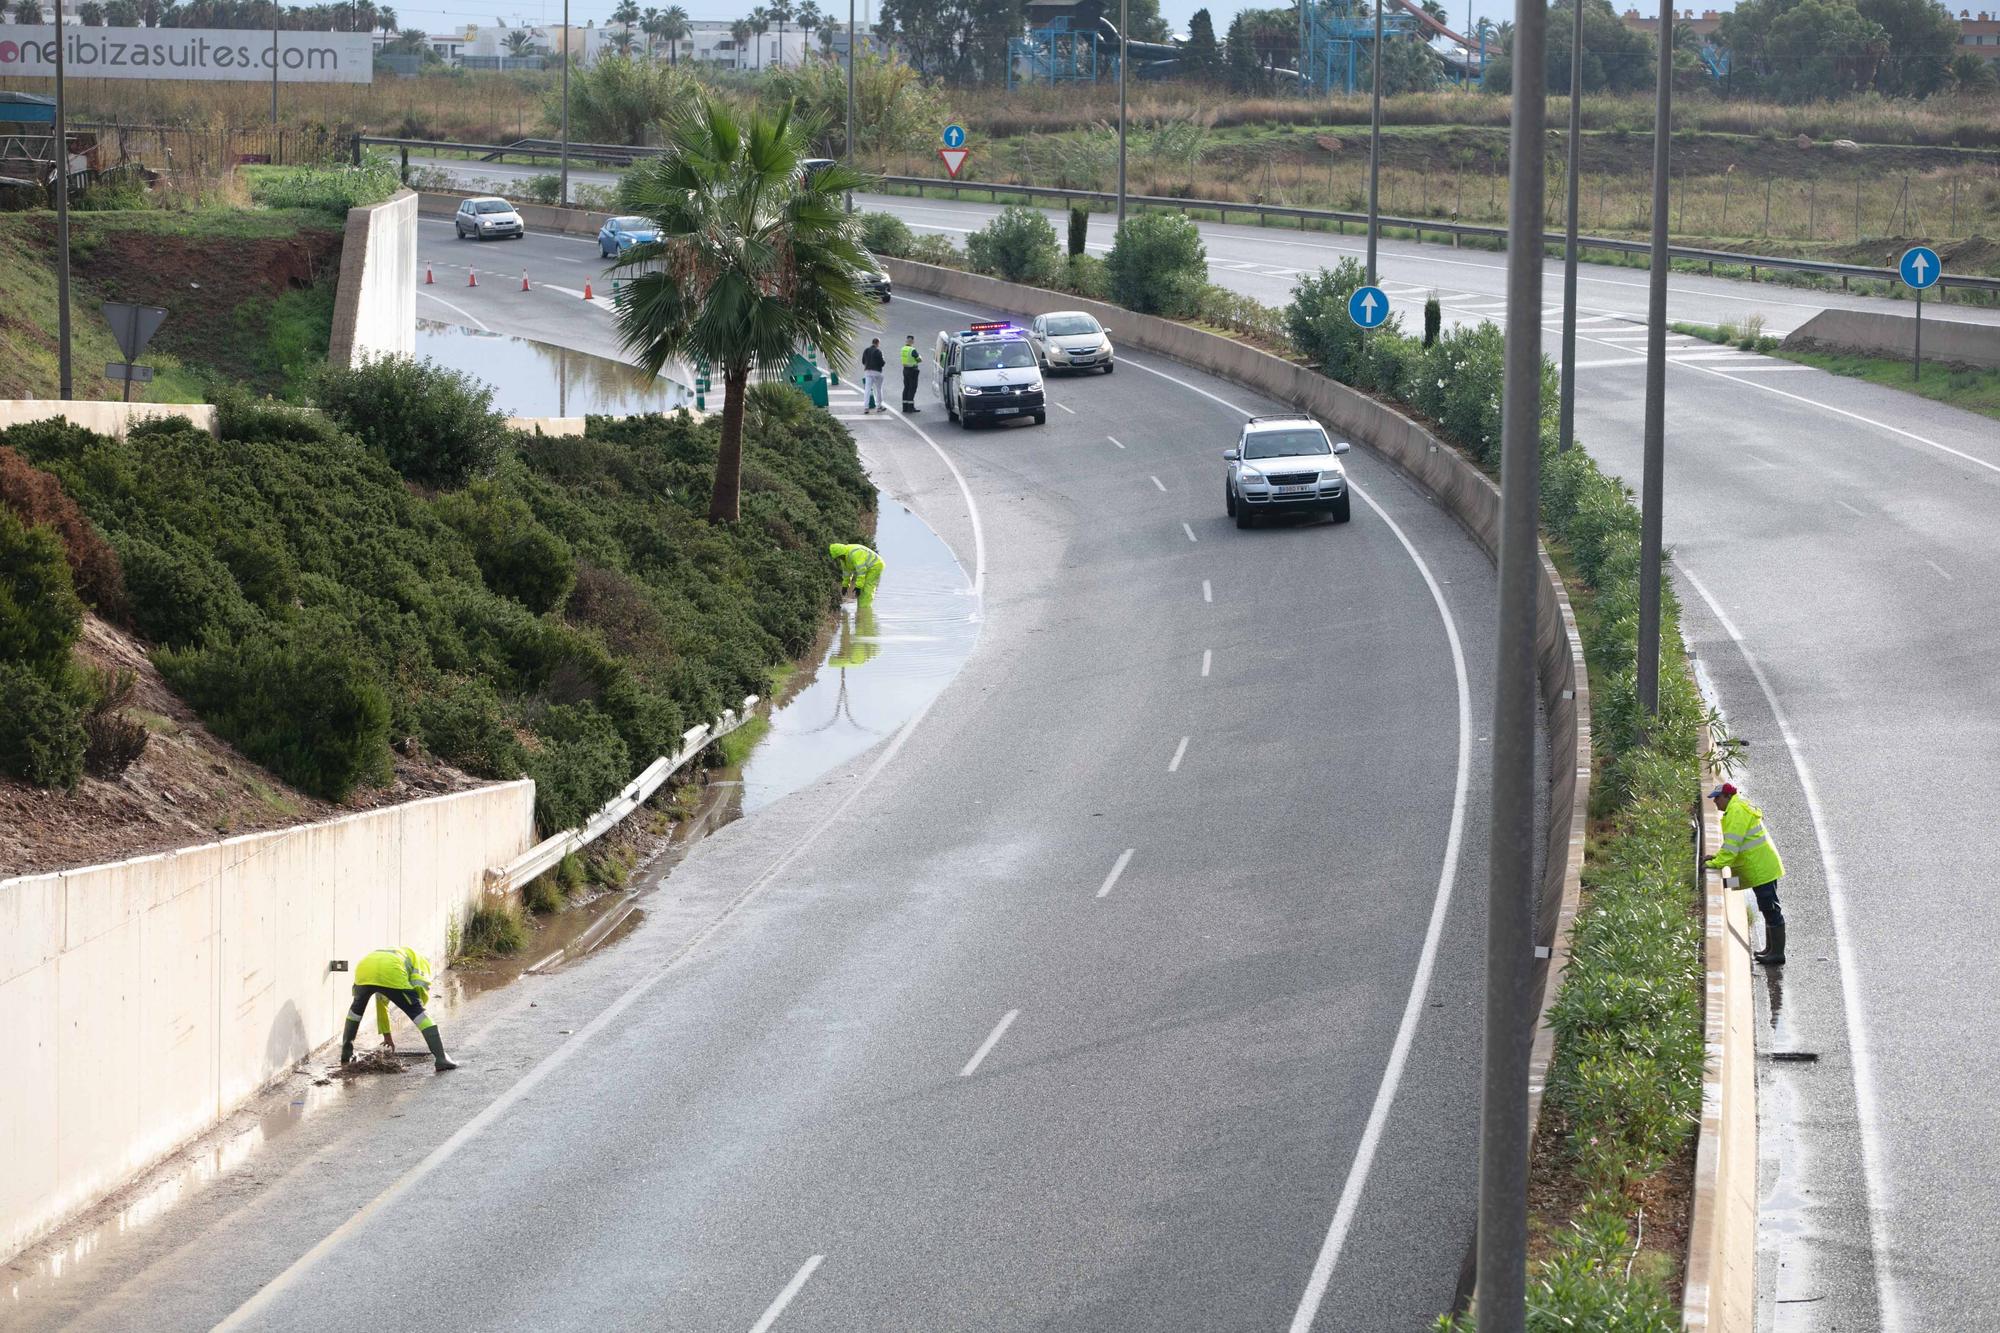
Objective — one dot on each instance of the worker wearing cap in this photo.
(402, 976)
(1748, 849)
(911, 360)
(860, 569)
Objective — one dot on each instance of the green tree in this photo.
(28, 11)
(619, 99)
(91, 13)
(1971, 74)
(1242, 69)
(1201, 58)
(753, 259)
(1922, 37)
(1157, 264)
(674, 28)
(896, 110)
(1019, 245)
(1615, 58)
(626, 13)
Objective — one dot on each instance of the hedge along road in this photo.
(1067, 1009)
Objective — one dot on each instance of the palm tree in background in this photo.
(91, 13)
(739, 33)
(753, 261)
(809, 19)
(621, 42)
(781, 14)
(675, 28)
(627, 12)
(649, 23)
(760, 23)
(518, 41)
(30, 12)
(385, 20)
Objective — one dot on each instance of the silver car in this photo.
(1071, 340)
(486, 216)
(1284, 464)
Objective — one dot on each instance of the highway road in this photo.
(1131, 980)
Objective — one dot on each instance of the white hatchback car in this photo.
(1284, 464)
(1071, 340)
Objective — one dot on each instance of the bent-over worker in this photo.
(1749, 849)
(860, 569)
(401, 977)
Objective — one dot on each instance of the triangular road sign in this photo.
(954, 158)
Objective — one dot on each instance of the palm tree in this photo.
(518, 41)
(626, 13)
(385, 19)
(781, 14)
(739, 33)
(760, 23)
(621, 42)
(674, 29)
(753, 259)
(28, 12)
(809, 18)
(91, 14)
(649, 23)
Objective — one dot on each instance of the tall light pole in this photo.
(63, 379)
(1374, 142)
(1501, 1287)
(1124, 19)
(849, 139)
(562, 189)
(1566, 432)
(1655, 466)
(276, 11)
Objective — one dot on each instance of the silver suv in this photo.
(1284, 464)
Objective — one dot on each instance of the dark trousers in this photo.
(406, 1000)
(1767, 903)
(909, 387)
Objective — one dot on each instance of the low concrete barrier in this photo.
(375, 306)
(112, 419)
(1878, 333)
(143, 1001)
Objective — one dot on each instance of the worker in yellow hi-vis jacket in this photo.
(402, 977)
(860, 569)
(1747, 847)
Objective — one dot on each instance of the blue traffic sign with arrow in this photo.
(1920, 267)
(1368, 307)
(954, 136)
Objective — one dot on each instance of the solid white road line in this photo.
(1070, 410)
(449, 306)
(1939, 568)
(1207, 592)
(1180, 753)
(1207, 661)
(1849, 508)
(971, 508)
(1763, 367)
(1117, 869)
(1114, 440)
(1189, 530)
(1859, 1051)
(992, 1040)
(1157, 482)
(777, 1307)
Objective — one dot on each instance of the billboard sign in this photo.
(210, 55)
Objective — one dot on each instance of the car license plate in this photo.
(1006, 411)
(1293, 490)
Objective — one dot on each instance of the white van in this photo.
(988, 372)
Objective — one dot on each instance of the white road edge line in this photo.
(449, 306)
(1207, 660)
(1413, 1008)
(1157, 482)
(1180, 753)
(972, 509)
(784, 1298)
(1070, 410)
(1857, 1039)
(1189, 530)
(992, 1040)
(1117, 869)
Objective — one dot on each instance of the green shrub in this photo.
(463, 722)
(1243, 315)
(1433, 320)
(1158, 265)
(1318, 324)
(581, 763)
(886, 234)
(38, 500)
(112, 741)
(936, 250)
(303, 704)
(1085, 276)
(1019, 245)
(490, 929)
(41, 730)
(518, 557)
(435, 426)
(180, 593)
(1079, 229)
(40, 615)
(325, 189)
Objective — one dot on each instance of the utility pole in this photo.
(1500, 1292)
(562, 189)
(852, 54)
(1375, 144)
(64, 381)
(275, 12)
(1566, 432)
(1124, 19)
(1655, 466)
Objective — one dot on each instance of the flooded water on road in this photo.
(533, 379)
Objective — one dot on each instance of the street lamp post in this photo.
(1653, 471)
(275, 12)
(63, 376)
(1566, 431)
(1501, 1287)
(849, 138)
(1374, 142)
(562, 189)
(1124, 20)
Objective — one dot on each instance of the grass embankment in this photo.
(1974, 390)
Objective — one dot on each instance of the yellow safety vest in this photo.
(398, 969)
(855, 559)
(1746, 846)
(909, 356)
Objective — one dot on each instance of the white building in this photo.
(710, 42)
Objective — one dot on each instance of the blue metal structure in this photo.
(1336, 43)
(1059, 53)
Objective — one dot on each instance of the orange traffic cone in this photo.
(524, 280)
(428, 279)
(586, 291)
(471, 278)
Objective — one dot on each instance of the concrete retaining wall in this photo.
(1877, 333)
(535, 217)
(143, 1001)
(112, 419)
(375, 307)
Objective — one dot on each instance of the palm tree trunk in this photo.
(725, 496)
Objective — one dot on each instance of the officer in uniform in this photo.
(911, 360)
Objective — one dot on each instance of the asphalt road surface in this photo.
(1131, 980)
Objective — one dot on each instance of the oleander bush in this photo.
(1158, 265)
(1018, 245)
(886, 234)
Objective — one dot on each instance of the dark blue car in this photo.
(618, 235)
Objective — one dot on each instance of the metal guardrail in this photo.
(614, 155)
(547, 854)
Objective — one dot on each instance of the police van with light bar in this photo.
(988, 372)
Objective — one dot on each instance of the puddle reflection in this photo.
(532, 379)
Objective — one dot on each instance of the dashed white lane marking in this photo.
(992, 1040)
(465, 313)
(1189, 530)
(1117, 869)
(1849, 508)
(1070, 410)
(1157, 482)
(1939, 568)
(1765, 367)
(784, 1298)
(1114, 440)
(1180, 753)
(1207, 592)
(1207, 661)
(1860, 1055)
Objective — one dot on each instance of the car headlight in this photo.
(1250, 477)
(969, 391)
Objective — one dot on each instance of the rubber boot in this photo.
(435, 1041)
(1773, 954)
(347, 1038)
